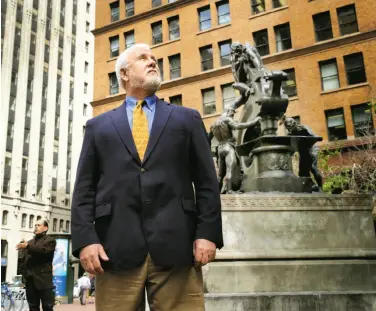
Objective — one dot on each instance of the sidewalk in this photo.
(76, 306)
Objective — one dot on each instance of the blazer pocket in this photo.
(103, 210)
(189, 206)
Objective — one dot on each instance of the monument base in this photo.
(294, 252)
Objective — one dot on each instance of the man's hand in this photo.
(89, 258)
(21, 245)
(203, 251)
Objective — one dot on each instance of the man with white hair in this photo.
(146, 210)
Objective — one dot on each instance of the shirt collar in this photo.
(150, 102)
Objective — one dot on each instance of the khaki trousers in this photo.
(168, 289)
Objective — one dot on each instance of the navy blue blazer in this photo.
(157, 206)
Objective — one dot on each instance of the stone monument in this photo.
(288, 246)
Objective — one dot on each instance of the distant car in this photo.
(76, 290)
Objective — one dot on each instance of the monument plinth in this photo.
(288, 246)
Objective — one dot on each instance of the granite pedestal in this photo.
(294, 252)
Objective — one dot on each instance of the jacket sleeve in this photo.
(208, 202)
(83, 201)
(44, 248)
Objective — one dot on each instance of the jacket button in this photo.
(143, 170)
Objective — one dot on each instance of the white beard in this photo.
(151, 84)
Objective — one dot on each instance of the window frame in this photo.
(361, 68)
(114, 17)
(170, 20)
(201, 21)
(282, 27)
(340, 23)
(327, 27)
(332, 112)
(210, 60)
(178, 69)
(264, 32)
(156, 37)
(223, 57)
(255, 4)
(370, 125)
(325, 62)
(205, 104)
(228, 14)
(113, 51)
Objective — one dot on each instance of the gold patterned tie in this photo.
(140, 129)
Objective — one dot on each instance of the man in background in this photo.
(37, 268)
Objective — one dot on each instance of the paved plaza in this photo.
(75, 306)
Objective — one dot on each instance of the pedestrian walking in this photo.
(84, 287)
(37, 257)
(146, 211)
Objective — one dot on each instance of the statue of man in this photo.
(308, 155)
(227, 159)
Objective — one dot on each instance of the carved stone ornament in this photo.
(274, 161)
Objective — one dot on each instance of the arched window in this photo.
(23, 221)
(4, 221)
(4, 248)
(61, 225)
(67, 226)
(39, 218)
(54, 225)
(31, 221)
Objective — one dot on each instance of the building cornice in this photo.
(269, 59)
(142, 16)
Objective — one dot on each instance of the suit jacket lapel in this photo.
(120, 120)
(162, 113)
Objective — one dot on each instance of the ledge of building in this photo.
(268, 12)
(292, 53)
(145, 15)
(213, 28)
(348, 143)
(344, 88)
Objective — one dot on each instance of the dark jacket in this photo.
(37, 266)
(134, 208)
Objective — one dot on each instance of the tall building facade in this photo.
(46, 83)
(327, 49)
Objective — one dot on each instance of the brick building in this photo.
(328, 49)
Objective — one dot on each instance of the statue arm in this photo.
(241, 126)
(210, 136)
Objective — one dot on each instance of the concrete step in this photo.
(304, 301)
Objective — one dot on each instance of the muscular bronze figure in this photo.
(227, 159)
(308, 155)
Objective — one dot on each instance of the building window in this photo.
(175, 67)
(129, 39)
(87, 27)
(70, 127)
(28, 110)
(355, 70)
(156, 29)
(129, 8)
(329, 74)
(258, 6)
(30, 83)
(6, 185)
(261, 41)
(156, 3)
(115, 14)
(27, 136)
(53, 199)
(86, 67)
(362, 120)
(114, 86)
(4, 220)
(86, 47)
(208, 101)
(223, 12)
(87, 7)
(204, 18)
(23, 220)
(61, 225)
(85, 110)
(289, 86)
(114, 46)
(160, 66)
(39, 218)
(296, 118)
(279, 3)
(323, 26)
(85, 87)
(31, 222)
(206, 53)
(228, 96)
(10, 130)
(225, 51)
(173, 28)
(336, 124)
(347, 19)
(67, 223)
(24, 163)
(283, 37)
(176, 100)
(54, 225)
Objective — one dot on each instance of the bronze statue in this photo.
(227, 158)
(308, 155)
